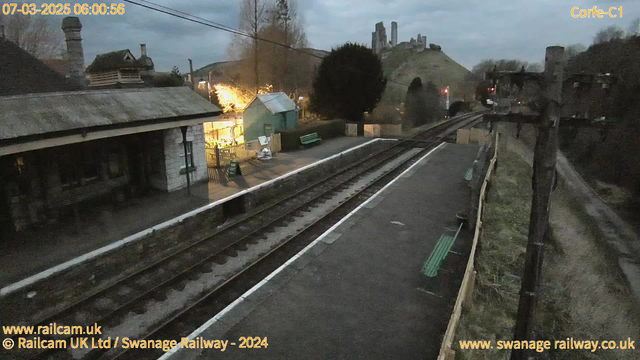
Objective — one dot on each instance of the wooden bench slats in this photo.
(469, 174)
(309, 138)
(439, 253)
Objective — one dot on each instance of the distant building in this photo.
(121, 69)
(379, 40)
(267, 113)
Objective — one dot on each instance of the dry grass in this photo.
(500, 259)
(583, 295)
(591, 300)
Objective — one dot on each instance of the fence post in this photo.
(217, 152)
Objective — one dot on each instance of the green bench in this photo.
(468, 175)
(309, 139)
(439, 254)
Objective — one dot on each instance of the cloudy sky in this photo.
(467, 30)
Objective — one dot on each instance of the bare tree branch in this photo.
(39, 35)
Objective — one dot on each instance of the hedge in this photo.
(326, 129)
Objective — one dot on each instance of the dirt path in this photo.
(623, 242)
(618, 234)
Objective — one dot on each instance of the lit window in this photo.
(189, 155)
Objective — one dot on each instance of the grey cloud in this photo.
(468, 30)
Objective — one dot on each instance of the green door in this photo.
(268, 129)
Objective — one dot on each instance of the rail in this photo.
(341, 177)
(466, 287)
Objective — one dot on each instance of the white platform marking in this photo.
(90, 255)
(229, 307)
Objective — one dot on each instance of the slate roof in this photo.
(61, 66)
(276, 102)
(22, 73)
(62, 113)
(114, 60)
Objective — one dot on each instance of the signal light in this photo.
(446, 91)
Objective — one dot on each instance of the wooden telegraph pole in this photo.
(544, 173)
(544, 163)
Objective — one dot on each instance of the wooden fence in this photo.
(466, 288)
(240, 152)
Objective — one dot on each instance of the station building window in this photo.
(78, 166)
(189, 155)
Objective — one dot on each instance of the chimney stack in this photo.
(71, 26)
(143, 50)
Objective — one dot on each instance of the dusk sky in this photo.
(467, 30)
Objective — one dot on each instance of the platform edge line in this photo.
(92, 254)
(230, 307)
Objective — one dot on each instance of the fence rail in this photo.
(466, 288)
(242, 152)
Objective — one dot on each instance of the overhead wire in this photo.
(196, 19)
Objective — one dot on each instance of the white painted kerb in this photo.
(90, 255)
(214, 319)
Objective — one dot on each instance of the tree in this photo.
(608, 34)
(38, 35)
(535, 67)
(349, 82)
(287, 70)
(172, 79)
(634, 27)
(422, 104)
(266, 62)
(252, 17)
(501, 65)
(573, 50)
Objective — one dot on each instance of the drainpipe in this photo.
(186, 160)
(193, 81)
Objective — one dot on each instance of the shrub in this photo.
(326, 129)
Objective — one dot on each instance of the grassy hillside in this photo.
(404, 65)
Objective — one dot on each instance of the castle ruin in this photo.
(379, 39)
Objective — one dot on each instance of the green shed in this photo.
(268, 113)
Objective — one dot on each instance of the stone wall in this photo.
(174, 162)
(68, 286)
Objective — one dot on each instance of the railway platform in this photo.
(357, 291)
(24, 255)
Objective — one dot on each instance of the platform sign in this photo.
(234, 169)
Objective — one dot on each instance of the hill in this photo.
(403, 65)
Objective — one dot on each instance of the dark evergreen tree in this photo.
(422, 103)
(349, 82)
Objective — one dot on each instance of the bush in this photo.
(422, 104)
(326, 129)
(384, 114)
(459, 106)
(350, 81)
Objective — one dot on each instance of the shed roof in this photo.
(121, 59)
(63, 112)
(275, 102)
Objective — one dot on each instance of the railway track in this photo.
(173, 277)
